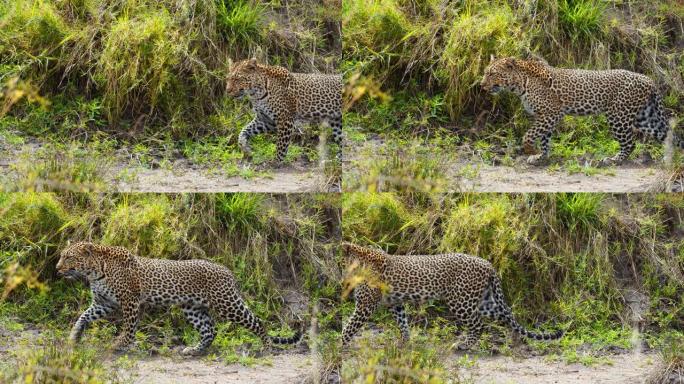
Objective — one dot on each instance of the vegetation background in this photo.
(417, 65)
(144, 79)
(609, 269)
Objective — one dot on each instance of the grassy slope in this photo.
(425, 63)
(146, 78)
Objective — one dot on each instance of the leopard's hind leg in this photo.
(467, 315)
(203, 323)
(622, 127)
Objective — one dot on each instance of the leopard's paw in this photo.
(537, 159)
(191, 351)
(609, 161)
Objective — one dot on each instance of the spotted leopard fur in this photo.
(280, 98)
(629, 100)
(123, 284)
(468, 285)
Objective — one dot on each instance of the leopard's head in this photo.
(501, 74)
(245, 79)
(513, 74)
(249, 78)
(78, 260)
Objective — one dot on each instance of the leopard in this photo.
(630, 101)
(467, 285)
(123, 285)
(281, 98)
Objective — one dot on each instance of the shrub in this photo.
(148, 225)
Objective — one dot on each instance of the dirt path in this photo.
(628, 178)
(284, 369)
(293, 367)
(289, 367)
(628, 368)
(461, 171)
(181, 175)
(186, 177)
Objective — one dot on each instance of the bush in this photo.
(31, 218)
(148, 225)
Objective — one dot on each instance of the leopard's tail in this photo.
(497, 306)
(286, 340)
(373, 257)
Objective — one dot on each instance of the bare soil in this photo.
(622, 179)
(181, 175)
(628, 368)
(461, 171)
(297, 366)
(284, 369)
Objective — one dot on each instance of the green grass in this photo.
(50, 360)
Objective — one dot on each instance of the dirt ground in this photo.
(623, 179)
(187, 177)
(284, 369)
(181, 175)
(298, 366)
(287, 367)
(463, 172)
(628, 368)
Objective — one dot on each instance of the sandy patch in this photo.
(628, 368)
(181, 175)
(284, 368)
(463, 172)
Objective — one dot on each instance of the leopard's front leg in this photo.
(285, 127)
(94, 312)
(130, 311)
(541, 130)
(255, 127)
(367, 301)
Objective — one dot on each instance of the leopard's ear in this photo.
(492, 57)
(511, 63)
(252, 63)
(88, 249)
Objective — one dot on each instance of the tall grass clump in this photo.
(55, 362)
(487, 226)
(147, 225)
(240, 213)
(31, 31)
(241, 23)
(138, 63)
(581, 20)
(472, 38)
(381, 218)
(31, 218)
